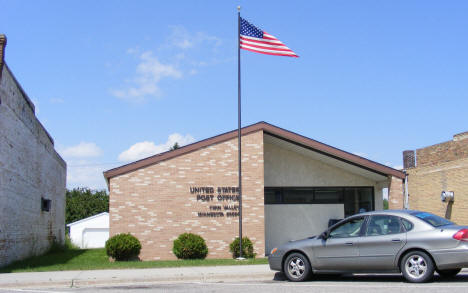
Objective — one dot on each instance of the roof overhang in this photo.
(271, 130)
(334, 161)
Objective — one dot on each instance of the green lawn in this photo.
(96, 259)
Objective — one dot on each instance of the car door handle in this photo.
(396, 240)
(349, 243)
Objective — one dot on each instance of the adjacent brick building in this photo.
(32, 176)
(292, 187)
(437, 168)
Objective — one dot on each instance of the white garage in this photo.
(91, 232)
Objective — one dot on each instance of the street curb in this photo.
(67, 279)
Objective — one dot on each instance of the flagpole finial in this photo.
(238, 8)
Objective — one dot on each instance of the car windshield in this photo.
(432, 219)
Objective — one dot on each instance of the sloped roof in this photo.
(88, 218)
(266, 128)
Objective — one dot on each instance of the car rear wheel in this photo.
(297, 267)
(448, 273)
(417, 267)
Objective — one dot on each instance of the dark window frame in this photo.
(280, 191)
(45, 204)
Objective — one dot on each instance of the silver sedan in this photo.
(411, 242)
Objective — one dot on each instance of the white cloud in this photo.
(361, 154)
(149, 73)
(85, 173)
(56, 100)
(145, 149)
(183, 49)
(394, 166)
(82, 150)
(183, 39)
(133, 50)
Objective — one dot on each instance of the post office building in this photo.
(292, 186)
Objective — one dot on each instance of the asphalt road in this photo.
(348, 284)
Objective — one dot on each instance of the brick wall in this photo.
(156, 205)
(441, 167)
(425, 185)
(395, 193)
(443, 152)
(30, 168)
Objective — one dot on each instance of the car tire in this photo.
(448, 273)
(297, 267)
(417, 267)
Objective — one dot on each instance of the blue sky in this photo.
(116, 80)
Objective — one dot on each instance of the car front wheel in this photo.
(297, 267)
(448, 273)
(417, 267)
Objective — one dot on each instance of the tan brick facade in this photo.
(194, 188)
(442, 167)
(395, 193)
(444, 152)
(156, 205)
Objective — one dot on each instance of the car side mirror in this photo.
(325, 235)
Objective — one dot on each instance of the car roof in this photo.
(390, 212)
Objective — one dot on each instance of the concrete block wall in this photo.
(158, 203)
(30, 168)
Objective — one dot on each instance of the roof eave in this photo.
(265, 127)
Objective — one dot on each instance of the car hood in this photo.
(299, 244)
(296, 240)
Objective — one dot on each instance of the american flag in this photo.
(255, 40)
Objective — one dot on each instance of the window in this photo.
(355, 199)
(45, 204)
(329, 195)
(358, 200)
(407, 224)
(383, 225)
(351, 228)
(298, 195)
(432, 219)
(273, 195)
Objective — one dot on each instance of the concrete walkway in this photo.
(127, 276)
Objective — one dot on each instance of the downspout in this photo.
(406, 202)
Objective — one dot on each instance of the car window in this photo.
(350, 228)
(383, 225)
(432, 219)
(408, 225)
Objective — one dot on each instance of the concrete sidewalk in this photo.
(126, 276)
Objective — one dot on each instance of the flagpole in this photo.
(239, 129)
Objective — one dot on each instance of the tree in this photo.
(84, 202)
(175, 146)
(385, 204)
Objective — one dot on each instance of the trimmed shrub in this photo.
(190, 246)
(123, 247)
(247, 248)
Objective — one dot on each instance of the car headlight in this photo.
(274, 250)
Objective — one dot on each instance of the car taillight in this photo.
(461, 235)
